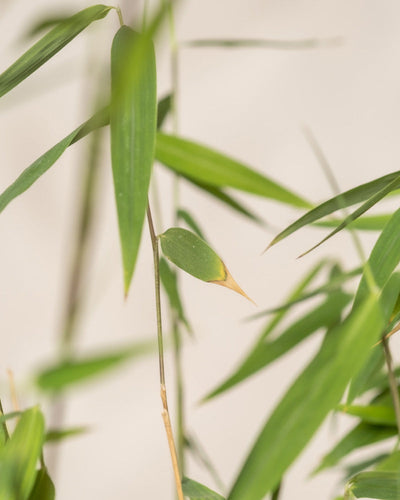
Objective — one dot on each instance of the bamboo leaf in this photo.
(266, 351)
(192, 254)
(185, 216)
(43, 488)
(300, 413)
(19, 457)
(377, 415)
(366, 223)
(163, 109)
(367, 374)
(53, 435)
(211, 167)
(359, 437)
(67, 373)
(49, 45)
(357, 467)
(375, 484)
(304, 43)
(390, 462)
(133, 130)
(346, 199)
(197, 491)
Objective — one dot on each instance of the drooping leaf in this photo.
(359, 437)
(192, 254)
(170, 284)
(43, 488)
(266, 351)
(49, 45)
(67, 373)
(186, 217)
(300, 413)
(53, 435)
(133, 124)
(19, 457)
(381, 485)
(373, 414)
(346, 199)
(197, 491)
(205, 165)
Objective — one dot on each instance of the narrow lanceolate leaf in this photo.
(185, 216)
(267, 351)
(60, 434)
(366, 223)
(197, 491)
(133, 125)
(300, 413)
(192, 254)
(62, 376)
(303, 43)
(361, 436)
(381, 485)
(205, 165)
(19, 457)
(346, 199)
(48, 46)
(43, 488)
(377, 415)
(362, 381)
(163, 108)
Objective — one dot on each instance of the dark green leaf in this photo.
(163, 108)
(375, 484)
(185, 216)
(208, 166)
(390, 462)
(133, 124)
(49, 45)
(267, 351)
(357, 467)
(300, 413)
(45, 23)
(61, 434)
(362, 380)
(346, 199)
(197, 491)
(43, 488)
(62, 376)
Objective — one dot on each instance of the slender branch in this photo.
(392, 382)
(163, 390)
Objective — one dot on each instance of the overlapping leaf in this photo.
(197, 491)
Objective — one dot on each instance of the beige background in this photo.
(250, 103)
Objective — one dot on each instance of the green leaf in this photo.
(368, 373)
(197, 491)
(366, 223)
(300, 413)
(65, 374)
(19, 457)
(359, 437)
(185, 216)
(390, 462)
(43, 488)
(357, 467)
(133, 121)
(208, 166)
(377, 415)
(266, 351)
(305, 43)
(48, 46)
(170, 284)
(163, 108)
(61, 434)
(346, 199)
(375, 484)
(192, 254)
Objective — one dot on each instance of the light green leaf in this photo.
(133, 121)
(48, 46)
(361, 436)
(266, 351)
(374, 484)
(65, 374)
(361, 382)
(208, 166)
(304, 43)
(197, 491)
(357, 467)
(61, 434)
(346, 199)
(192, 254)
(19, 457)
(43, 488)
(366, 223)
(390, 462)
(185, 216)
(300, 413)
(373, 414)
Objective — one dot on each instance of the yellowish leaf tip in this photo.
(230, 283)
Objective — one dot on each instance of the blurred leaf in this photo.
(303, 43)
(9, 416)
(192, 254)
(375, 484)
(43, 488)
(355, 468)
(19, 457)
(197, 491)
(45, 23)
(390, 462)
(361, 381)
(300, 413)
(133, 124)
(163, 108)
(359, 437)
(170, 284)
(266, 351)
(377, 415)
(343, 200)
(48, 46)
(208, 166)
(61, 376)
(190, 222)
(61, 434)
(366, 223)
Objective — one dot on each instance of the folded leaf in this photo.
(197, 491)
(208, 166)
(49, 45)
(133, 125)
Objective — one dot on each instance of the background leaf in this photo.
(197, 491)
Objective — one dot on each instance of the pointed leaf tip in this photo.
(230, 283)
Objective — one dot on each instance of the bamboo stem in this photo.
(163, 390)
